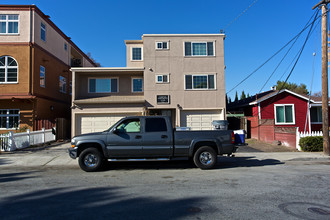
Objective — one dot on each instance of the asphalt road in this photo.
(248, 186)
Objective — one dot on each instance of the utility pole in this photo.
(325, 116)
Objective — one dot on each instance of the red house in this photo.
(278, 115)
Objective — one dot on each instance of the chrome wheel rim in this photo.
(205, 158)
(90, 160)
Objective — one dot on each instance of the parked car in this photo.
(150, 138)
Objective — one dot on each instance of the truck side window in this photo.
(155, 125)
(129, 126)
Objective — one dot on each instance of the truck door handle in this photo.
(164, 136)
(138, 137)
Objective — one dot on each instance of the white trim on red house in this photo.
(276, 93)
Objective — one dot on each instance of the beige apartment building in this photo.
(35, 59)
(178, 75)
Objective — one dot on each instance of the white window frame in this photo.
(44, 75)
(192, 53)
(7, 118)
(207, 75)
(133, 85)
(162, 81)
(43, 29)
(103, 78)
(7, 23)
(6, 67)
(315, 106)
(293, 115)
(62, 84)
(162, 48)
(132, 54)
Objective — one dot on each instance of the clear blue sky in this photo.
(100, 27)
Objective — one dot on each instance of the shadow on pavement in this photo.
(233, 162)
(95, 203)
(11, 177)
(223, 163)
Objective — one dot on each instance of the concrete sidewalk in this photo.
(48, 156)
(57, 155)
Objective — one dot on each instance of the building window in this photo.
(70, 88)
(8, 70)
(8, 24)
(62, 84)
(162, 78)
(162, 45)
(43, 32)
(42, 76)
(136, 53)
(199, 48)
(137, 85)
(284, 114)
(65, 46)
(103, 85)
(316, 115)
(9, 118)
(200, 82)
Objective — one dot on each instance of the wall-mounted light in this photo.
(151, 70)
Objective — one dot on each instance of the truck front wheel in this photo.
(90, 160)
(205, 157)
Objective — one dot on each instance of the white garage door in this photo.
(96, 123)
(199, 120)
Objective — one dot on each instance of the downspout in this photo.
(31, 68)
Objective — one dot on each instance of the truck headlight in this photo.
(73, 143)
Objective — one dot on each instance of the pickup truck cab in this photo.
(150, 138)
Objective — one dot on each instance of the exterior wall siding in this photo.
(174, 63)
(300, 107)
(21, 54)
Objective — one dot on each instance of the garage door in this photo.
(199, 120)
(95, 123)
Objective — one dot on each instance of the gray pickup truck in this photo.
(150, 138)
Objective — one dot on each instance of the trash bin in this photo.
(239, 137)
(220, 124)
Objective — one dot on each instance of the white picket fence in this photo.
(306, 134)
(13, 141)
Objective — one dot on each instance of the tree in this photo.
(243, 96)
(317, 94)
(301, 89)
(92, 59)
(236, 97)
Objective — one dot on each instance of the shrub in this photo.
(311, 144)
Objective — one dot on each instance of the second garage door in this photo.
(199, 120)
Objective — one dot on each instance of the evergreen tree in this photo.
(243, 96)
(236, 97)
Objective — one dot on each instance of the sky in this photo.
(100, 27)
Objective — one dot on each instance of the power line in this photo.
(241, 14)
(285, 57)
(306, 26)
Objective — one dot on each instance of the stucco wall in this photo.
(174, 62)
(21, 54)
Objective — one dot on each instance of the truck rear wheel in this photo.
(205, 157)
(90, 160)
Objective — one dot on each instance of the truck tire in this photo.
(205, 157)
(90, 160)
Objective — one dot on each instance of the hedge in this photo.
(311, 144)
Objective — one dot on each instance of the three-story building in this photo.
(178, 75)
(35, 59)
